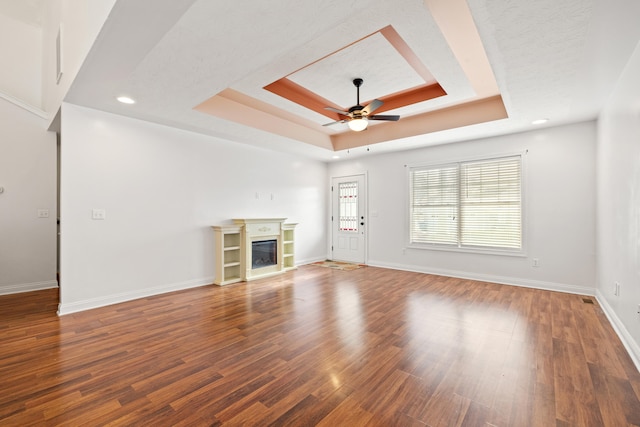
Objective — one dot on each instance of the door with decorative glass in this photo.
(348, 220)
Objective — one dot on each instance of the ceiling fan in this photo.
(358, 116)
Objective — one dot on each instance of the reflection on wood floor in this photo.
(319, 346)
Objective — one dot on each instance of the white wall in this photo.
(21, 53)
(618, 238)
(162, 189)
(28, 176)
(559, 207)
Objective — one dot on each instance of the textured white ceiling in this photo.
(385, 72)
(171, 55)
(540, 54)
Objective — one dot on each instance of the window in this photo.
(348, 196)
(475, 204)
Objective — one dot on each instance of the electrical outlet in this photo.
(536, 262)
(98, 214)
(43, 213)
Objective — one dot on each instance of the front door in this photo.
(348, 222)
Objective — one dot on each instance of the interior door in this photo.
(348, 219)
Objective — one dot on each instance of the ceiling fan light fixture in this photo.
(358, 125)
(357, 117)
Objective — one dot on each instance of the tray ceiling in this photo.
(255, 72)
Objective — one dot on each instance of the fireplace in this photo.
(253, 248)
(264, 253)
(263, 246)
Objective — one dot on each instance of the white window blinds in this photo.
(434, 207)
(474, 204)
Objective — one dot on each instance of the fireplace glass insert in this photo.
(264, 253)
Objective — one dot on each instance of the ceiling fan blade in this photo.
(391, 118)
(335, 110)
(333, 123)
(373, 105)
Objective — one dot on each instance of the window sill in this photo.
(481, 251)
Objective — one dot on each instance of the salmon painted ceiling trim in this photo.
(288, 89)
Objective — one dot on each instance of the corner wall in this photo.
(559, 200)
(162, 188)
(618, 190)
(28, 177)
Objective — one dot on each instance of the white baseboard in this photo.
(514, 281)
(27, 287)
(310, 261)
(74, 307)
(627, 340)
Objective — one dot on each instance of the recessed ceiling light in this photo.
(539, 121)
(335, 157)
(125, 100)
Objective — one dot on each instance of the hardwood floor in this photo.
(316, 346)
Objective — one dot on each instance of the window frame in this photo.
(458, 247)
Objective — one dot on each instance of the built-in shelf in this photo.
(229, 254)
(288, 261)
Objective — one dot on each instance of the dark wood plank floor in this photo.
(316, 346)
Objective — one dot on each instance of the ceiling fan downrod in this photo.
(357, 83)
